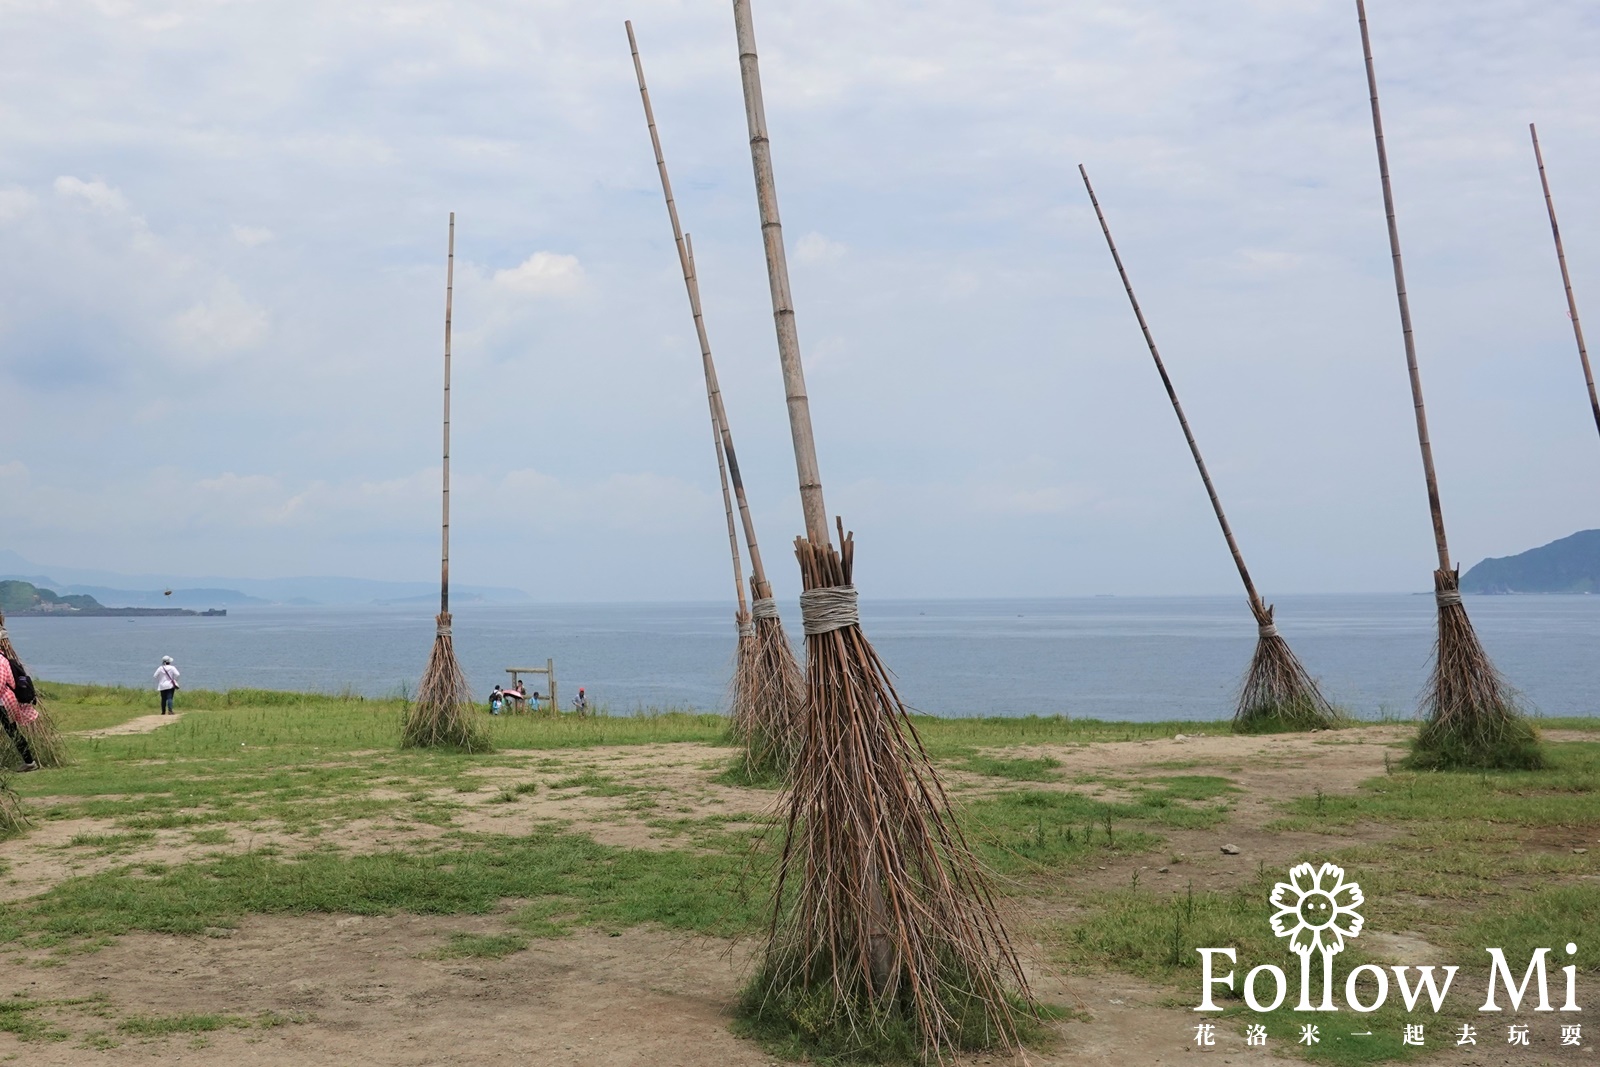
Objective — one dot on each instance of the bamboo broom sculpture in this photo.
(1566, 278)
(767, 688)
(1277, 694)
(883, 927)
(1470, 717)
(49, 748)
(443, 714)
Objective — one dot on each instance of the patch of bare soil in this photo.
(1266, 769)
(673, 781)
(371, 990)
(144, 724)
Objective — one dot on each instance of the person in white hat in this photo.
(167, 684)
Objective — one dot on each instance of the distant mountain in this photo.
(25, 598)
(149, 589)
(1570, 565)
(17, 598)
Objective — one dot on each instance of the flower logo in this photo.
(1317, 909)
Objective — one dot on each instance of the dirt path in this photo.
(367, 990)
(144, 724)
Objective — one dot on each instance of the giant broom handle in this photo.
(794, 377)
(719, 415)
(727, 461)
(449, 299)
(733, 532)
(1566, 279)
(1172, 394)
(1434, 507)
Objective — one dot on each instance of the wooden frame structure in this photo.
(549, 670)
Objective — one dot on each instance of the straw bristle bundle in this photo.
(885, 933)
(44, 740)
(1278, 694)
(44, 737)
(443, 715)
(1470, 715)
(741, 699)
(769, 693)
(13, 814)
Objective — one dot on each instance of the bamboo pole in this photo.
(794, 378)
(1172, 395)
(1435, 509)
(449, 301)
(760, 588)
(1566, 278)
(733, 530)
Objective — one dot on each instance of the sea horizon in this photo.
(1136, 658)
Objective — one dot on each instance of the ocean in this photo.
(1128, 658)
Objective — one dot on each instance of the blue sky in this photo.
(220, 307)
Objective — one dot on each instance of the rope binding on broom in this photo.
(747, 628)
(1267, 629)
(764, 608)
(442, 627)
(1448, 598)
(828, 609)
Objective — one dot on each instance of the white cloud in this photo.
(221, 326)
(815, 248)
(97, 194)
(1267, 260)
(632, 501)
(251, 236)
(16, 202)
(543, 274)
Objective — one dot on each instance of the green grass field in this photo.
(275, 801)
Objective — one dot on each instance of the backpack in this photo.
(21, 684)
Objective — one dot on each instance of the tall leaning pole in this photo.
(882, 920)
(443, 714)
(1278, 692)
(767, 686)
(1566, 278)
(1470, 717)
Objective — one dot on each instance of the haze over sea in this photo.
(1134, 658)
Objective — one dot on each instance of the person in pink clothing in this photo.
(10, 712)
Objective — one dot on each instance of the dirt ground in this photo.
(371, 990)
(144, 724)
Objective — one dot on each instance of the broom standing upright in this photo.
(1470, 718)
(1277, 694)
(1566, 278)
(443, 714)
(892, 924)
(767, 690)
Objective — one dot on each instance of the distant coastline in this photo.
(19, 598)
(103, 612)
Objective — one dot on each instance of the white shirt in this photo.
(166, 677)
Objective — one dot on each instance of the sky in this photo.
(221, 298)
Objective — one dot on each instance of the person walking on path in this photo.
(167, 684)
(14, 711)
